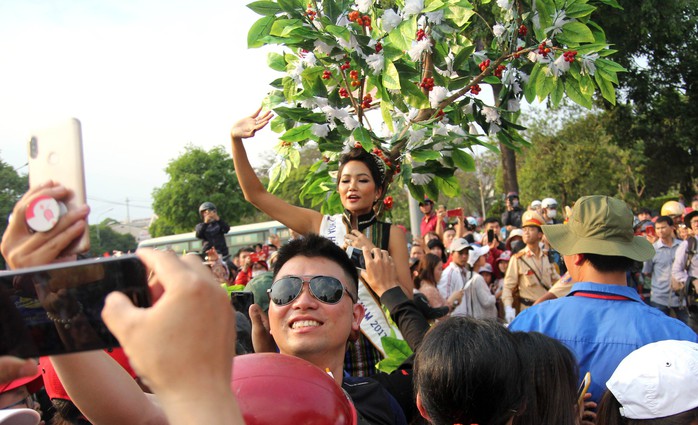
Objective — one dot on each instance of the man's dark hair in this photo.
(665, 219)
(609, 263)
(489, 220)
(463, 373)
(245, 249)
(315, 246)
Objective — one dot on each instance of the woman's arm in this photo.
(302, 220)
(398, 250)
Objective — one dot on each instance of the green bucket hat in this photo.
(599, 225)
(258, 286)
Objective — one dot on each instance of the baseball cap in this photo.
(657, 380)
(599, 225)
(426, 201)
(459, 244)
(531, 218)
(19, 417)
(512, 195)
(33, 383)
(476, 253)
(486, 268)
(504, 256)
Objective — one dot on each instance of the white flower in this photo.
(320, 130)
(376, 61)
(494, 129)
(532, 56)
(435, 17)
(473, 129)
(559, 67)
(412, 114)
(350, 123)
(588, 63)
(535, 20)
(420, 179)
(416, 136)
(439, 130)
(295, 73)
(498, 30)
(480, 56)
(419, 47)
(412, 7)
(516, 87)
(468, 108)
(309, 59)
(437, 95)
(390, 20)
(364, 5)
(558, 22)
(513, 105)
(505, 4)
(352, 44)
(491, 114)
(308, 103)
(509, 75)
(332, 113)
(322, 47)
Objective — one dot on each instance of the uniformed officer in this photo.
(529, 274)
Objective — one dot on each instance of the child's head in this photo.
(503, 261)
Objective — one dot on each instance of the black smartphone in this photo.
(357, 257)
(490, 235)
(242, 301)
(56, 308)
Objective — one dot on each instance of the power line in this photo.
(123, 204)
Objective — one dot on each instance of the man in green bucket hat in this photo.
(602, 320)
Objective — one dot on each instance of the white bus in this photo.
(237, 237)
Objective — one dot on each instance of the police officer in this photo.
(530, 272)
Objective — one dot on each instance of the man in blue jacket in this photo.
(602, 320)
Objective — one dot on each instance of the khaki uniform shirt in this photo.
(523, 273)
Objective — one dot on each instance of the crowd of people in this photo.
(471, 306)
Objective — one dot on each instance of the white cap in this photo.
(19, 417)
(477, 252)
(459, 244)
(547, 202)
(485, 269)
(536, 204)
(657, 380)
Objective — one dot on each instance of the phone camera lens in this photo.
(33, 148)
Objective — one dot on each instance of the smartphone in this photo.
(55, 153)
(255, 257)
(458, 212)
(490, 235)
(357, 257)
(650, 231)
(583, 388)
(56, 309)
(242, 301)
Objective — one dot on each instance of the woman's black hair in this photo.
(551, 376)
(608, 413)
(370, 160)
(437, 243)
(466, 372)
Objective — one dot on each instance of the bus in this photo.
(237, 237)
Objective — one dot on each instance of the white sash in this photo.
(375, 324)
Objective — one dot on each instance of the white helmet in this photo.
(535, 205)
(548, 202)
(672, 209)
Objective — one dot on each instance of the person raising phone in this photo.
(361, 184)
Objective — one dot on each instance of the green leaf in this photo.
(362, 136)
(391, 53)
(397, 38)
(396, 352)
(283, 27)
(530, 87)
(276, 62)
(300, 115)
(298, 134)
(290, 88)
(459, 15)
(545, 10)
(258, 31)
(586, 86)
(448, 186)
(294, 156)
(292, 7)
(609, 65)
(557, 92)
(576, 96)
(266, 8)
(338, 31)
(576, 32)
(606, 87)
(432, 5)
(491, 79)
(423, 155)
(387, 114)
(544, 85)
(463, 160)
(579, 10)
(612, 3)
(463, 56)
(391, 78)
(414, 96)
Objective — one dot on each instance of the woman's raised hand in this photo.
(246, 127)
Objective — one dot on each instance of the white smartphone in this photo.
(55, 153)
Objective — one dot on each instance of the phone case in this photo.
(55, 153)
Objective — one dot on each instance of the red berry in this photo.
(421, 35)
(355, 83)
(346, 65)
(427, 83)
(379, 47)
(366, 20)
(475, 89)
(326, 75)
(499, 70)
(343, 92)
(523, 30)
(518, 50)
(357, 145)
(353, 15)
(484, 64)
(354, 74)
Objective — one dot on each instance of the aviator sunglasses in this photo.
(326, 289)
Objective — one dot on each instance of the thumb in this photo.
(258, 318)
(119, 314)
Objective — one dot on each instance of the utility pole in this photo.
(128, 213)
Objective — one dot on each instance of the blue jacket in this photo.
(601, 324)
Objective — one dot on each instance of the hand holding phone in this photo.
(457, 212)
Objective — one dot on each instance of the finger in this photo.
(120, 315)
(256, 113)
(164, 263)
(12, 368)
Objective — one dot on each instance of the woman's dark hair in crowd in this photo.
(315, 246)
(370, 160)
(608, 413)
(466, 372)
(437, 243)
(426, 269)
(66, 413)
(551, 376)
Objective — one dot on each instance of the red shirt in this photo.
(428, 224)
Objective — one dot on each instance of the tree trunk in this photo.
(511, 183)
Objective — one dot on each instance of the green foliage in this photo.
(368, 84)
(396, 352)
(197, 176)
(578, 159)
(12, 187)
(104, 239)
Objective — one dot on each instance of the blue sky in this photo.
(145, 77)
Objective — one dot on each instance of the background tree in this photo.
(197, 176)
(12, 187)
(103, 239)
(419, 64)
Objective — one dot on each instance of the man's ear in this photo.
(420, 407)
(357, 313)
(579, 259)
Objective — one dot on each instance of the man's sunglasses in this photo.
(326, 289)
